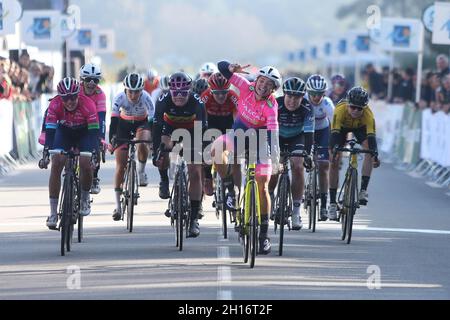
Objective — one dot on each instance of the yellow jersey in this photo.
(343, 120)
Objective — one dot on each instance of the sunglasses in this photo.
(176, 93)
(89, 80)
(316, 94)
(219, 92)
(356, 108)
(69, 97)
(135, 91)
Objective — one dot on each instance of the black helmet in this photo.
(358, 96)
(200, 85)
(294, 86)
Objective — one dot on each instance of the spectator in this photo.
(426, 92)
(376, 84)
(396, 88)
(442, 65)
(24, 60)
(406, 85)
(443, 94)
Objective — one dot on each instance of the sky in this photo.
(186, 33)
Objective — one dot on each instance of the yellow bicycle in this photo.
(248, 216)
(350, 188)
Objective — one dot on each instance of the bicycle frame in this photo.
(249, 181)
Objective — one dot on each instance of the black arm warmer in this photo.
(102, 124)
(372, 140)
(49, 137)
(113, 127)
(309, 137)
(335, 139)
(223, 68)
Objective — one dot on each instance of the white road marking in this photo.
(223, 272)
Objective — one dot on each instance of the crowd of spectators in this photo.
(435, 85)
(25, 79)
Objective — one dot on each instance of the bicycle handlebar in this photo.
(293, 154)
(127, 141)
(71, 153)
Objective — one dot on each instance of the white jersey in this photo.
(125, 109)
(323, 113)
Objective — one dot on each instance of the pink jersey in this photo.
(84, 115)
(98, 97)
(252, 113)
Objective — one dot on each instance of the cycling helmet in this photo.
(272, 74)
(67, 86)
(218, 82)
(294, 86)
(338, 78)
(152, 73)
(200, 85)
(358, 96)
(133, 81)
(208, 68)
(90, 70)
(316, 83)
(164, 83)
(180, 81)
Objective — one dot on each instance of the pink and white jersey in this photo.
(250, 112)
(98, 97)
(85, 115)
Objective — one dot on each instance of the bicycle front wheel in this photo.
(66, 214)
(253, 225)
(282, 209)
(224, 210)
(313, 206)
(131, 189)
(352, 204)
(343, 213)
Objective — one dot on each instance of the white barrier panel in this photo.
(435, 145)
(427, 136)
(6, 126)
(446, 154)
(391, 126)
(440, 138)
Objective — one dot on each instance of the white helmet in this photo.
(90, 70)
(272, 74)
(208, 67)
(164, 83)
(133, 81)
(152, 73)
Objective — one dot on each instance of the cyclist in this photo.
(71, 122)
(132, 111)
(90, 76)
(353, 115)
(257, 110)
(180, 109)
(152, 85)
(199, 86)
(220, 104)
(296, 122)
(206, 70)
(152, 81)
(339, 88)
(164, 85)
(323, 107)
